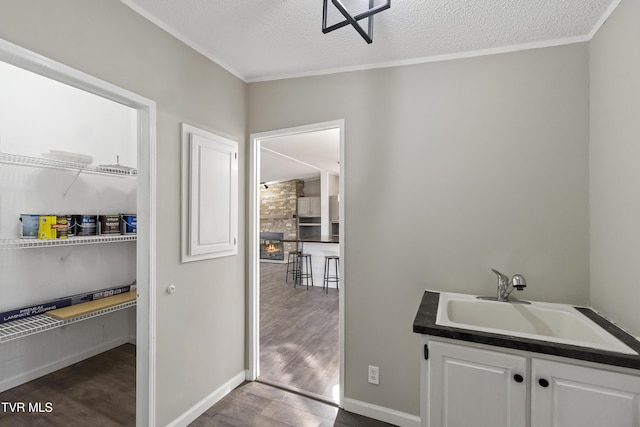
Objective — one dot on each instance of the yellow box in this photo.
(47, 229)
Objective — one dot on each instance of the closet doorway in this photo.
(295, 334)
(61, 166)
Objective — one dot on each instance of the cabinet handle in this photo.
(543, 382)
(518, 378)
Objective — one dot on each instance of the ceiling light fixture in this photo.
(353, 20)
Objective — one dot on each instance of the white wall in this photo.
(38, 114)
(614, 172)
(312, 188)
(200, 328)
(450, 168)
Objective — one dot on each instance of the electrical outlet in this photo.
(374, 374)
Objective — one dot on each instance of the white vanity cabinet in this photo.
(466, 386)
(565, 394)
(484, 386)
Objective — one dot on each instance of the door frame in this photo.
(254, 239)
(146, 207)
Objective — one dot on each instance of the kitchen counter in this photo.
(318, 247)
(425, 323)
(316, 239)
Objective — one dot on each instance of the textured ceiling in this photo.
(271, 39)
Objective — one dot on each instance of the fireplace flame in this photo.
(271, 248)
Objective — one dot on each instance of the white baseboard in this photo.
(40, 371)
(201, 407)
(381, 413)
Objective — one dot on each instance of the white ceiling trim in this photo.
(603, 18)
(436, 58)
(293, 159)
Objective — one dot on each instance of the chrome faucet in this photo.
(506, 286)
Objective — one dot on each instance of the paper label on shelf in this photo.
(47, 229)
(31, 311)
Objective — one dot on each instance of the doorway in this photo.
(255, 345)
(145, 202)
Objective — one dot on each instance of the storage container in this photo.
(86, 225)
(109, 224)
(30, 226)
(128, 223)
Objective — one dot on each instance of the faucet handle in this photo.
(501, 277)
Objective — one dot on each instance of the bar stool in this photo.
(292, 266)
(304, 270)
(328, 277)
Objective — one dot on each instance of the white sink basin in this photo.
(558, 323)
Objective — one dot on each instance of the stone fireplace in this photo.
(271, 246)
(278, 211)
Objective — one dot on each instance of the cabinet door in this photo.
(210, 195)
(309, 207)
(334, 209)
(303, 207)
(474, 387)
(315, 206)
(573, 395)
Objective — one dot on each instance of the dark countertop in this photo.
(425, 323)
(316, 239)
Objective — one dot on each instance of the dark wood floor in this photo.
(100, 391)
(299, 348)
(299, 330)
(254, 404)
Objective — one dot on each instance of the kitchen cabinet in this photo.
(334, 209)
(309, 207)
(334, 215)
(309, 213)
(479, 385)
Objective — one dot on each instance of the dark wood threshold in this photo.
(255, 404)
(298, 391)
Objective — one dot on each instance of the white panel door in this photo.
(210, 195)
(474, 387)
(565, 395)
